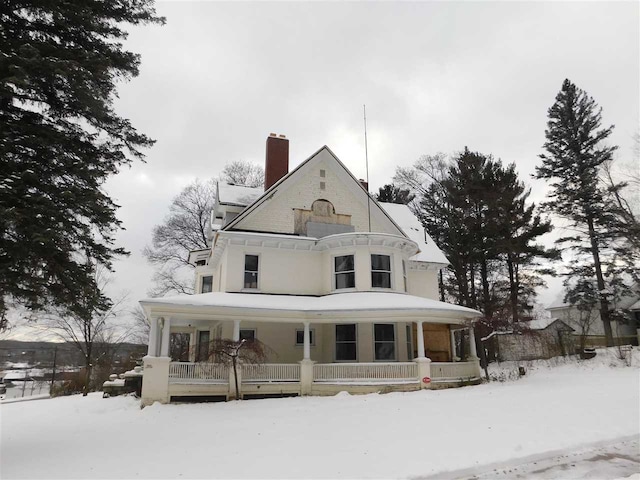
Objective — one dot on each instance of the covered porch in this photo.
(319, 350)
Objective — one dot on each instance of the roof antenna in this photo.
(366, 157)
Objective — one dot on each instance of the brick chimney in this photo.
(277, 160)
(364, 184)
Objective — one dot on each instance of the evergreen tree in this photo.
(391, 193)
(60, 139)
(574, 156)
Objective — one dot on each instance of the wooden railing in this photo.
(366, 372)
(190, 372)
(453, 371)
(271, 372)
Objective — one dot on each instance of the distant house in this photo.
(343, 290)
(538, 339)
(625, 331)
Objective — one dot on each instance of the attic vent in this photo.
(322, 173)
(322, 185)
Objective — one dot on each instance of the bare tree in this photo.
(245, 173)
(185, 228)
(231, 352)
(87, 332)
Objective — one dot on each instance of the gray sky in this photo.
(219, 77)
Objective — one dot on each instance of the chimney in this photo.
(364, 184)
(277, 160)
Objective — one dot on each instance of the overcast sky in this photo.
(435, 77)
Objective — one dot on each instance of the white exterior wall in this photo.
(300, 272)
(423, 283)
(277, 215)
(280, 338)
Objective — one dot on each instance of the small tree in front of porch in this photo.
(230, 352)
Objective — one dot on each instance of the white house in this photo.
(625, 329)
(343, 290)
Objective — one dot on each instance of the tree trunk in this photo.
(604, 301)
(234, 361)
(441, 285)
(87, 378)
(513, 290)
(486, 297)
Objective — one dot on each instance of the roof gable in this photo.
(273, 211)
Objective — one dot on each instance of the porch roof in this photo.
(369, 306)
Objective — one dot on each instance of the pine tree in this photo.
(60, 139)
(572, 162)
(391, 193)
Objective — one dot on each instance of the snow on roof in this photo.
(238, 194)
(341, 302)
(409, 223)
(559, 301)
(541, 323)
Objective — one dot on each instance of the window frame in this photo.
(245, 271)
(202, 283)
(390, 271)
(312, 337)
(394, 342)
(335, 343)
(405, 275)
(335, 273)
(255, 336)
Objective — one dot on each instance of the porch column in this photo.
(236, 331)
(453, 344)
(152, 350)
(166, 327)
(424, 363)
(472, 343)
(420, 340)
(306, 364)
(306, 342)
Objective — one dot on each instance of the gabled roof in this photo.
(543, 323)
(290, 179)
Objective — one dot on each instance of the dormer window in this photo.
(380, 271)
(344, 272)
(251, 271)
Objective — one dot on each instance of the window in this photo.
(345, 343)
(207, 284)
(409, 343)
(300, 337)
(384, 340)
(248, 334)
(381, 271)
(203, 346)
(179, 347)
(404, 273)
(345, 275)
(251, 271)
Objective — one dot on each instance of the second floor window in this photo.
(207, 284)
(345, 275)
(381, 271)
(251, 271)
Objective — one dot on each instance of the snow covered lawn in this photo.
(376, 436)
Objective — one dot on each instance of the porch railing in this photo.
(453, 371)
(271, 372)
(366, 372)
(192, 372)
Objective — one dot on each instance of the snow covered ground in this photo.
(568, 409)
